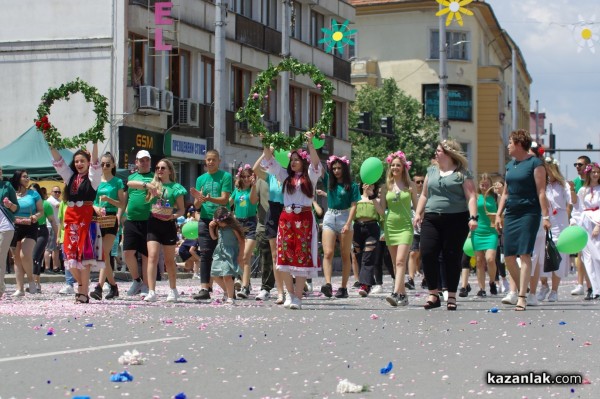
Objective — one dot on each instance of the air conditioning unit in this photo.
(166, 101)
(189, 112)
(149, 97)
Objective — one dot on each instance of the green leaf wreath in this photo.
(252, 111)
(91, 94)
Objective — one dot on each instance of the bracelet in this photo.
(475, 218)
(545, 217)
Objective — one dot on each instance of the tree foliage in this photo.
(414, 135)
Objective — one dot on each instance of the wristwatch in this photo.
(475, 218)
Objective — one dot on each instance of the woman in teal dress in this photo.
(397, 195)
(524, 199)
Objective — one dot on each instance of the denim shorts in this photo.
(249, 225)
(335, 220)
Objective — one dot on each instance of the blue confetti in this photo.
(494, 310)
(121, 377)
(90, 325)
(81, 397)
(387, 369)
(562, 323)
(50, 333)
(181, 360)
(180, 395)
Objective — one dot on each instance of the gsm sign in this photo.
(143, 141)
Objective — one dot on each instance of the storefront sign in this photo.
(184, 147)
(162, 17)
(132, 140)
(460, 102)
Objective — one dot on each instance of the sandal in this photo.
(451, 305)
(81, 298)
(521, 308)
(433, 304)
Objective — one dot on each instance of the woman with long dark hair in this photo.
(82, 177)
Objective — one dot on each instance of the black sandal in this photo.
(433, 304)
(451, 305)
(81, 298)
(521, 308)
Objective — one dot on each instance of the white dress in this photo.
(559, 199)
(586, 214)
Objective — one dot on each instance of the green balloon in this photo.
(318, 142)
(190, 230)
(282, 157)
(572, 240)
(371, 170)
(468, 247)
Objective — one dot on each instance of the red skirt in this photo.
(297, 247)
(77, 235)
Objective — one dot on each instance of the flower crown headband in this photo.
(398, 154)
(242, 168)
(590, 166)
(551, 160)
(223, 217)
(301, 153)
(335, 158)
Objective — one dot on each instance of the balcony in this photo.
(257, 35)
(342, 69)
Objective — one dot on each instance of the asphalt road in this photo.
(52, 348)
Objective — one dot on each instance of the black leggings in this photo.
(207, 247)
(366, 237)
(443, 234)
(383, 257)
(39, 249)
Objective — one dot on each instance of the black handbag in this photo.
(553, 257)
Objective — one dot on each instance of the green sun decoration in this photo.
(252, 113)
(338, 36)
(91, 94)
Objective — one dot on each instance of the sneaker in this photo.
(424, 284)
(229, 301)
(106, 286)
(553, 297)
(364, 290)
(341, 293)
(136, 288)
(410, 284)
(327, 290)
(237, 285)
(481, 293)
(377, 289)
(356, 284)
(493, 288)
(67, 289)
(505, 285)
(196, 276)
(151, 296)
(263, 295)
(532, 300)
(288, 301)
(144, 290)
(296, 303)
(578, 290)
(543, 292)
(244, 293)
(18, 293)
(402, 300)
(202, 294)
(280, 299)
(308, 287)
(445, 293)
(113, 292)
(32, 289)
(510, 298)
(393, 299)
(463, 293)
(173, 295)
(97, 293)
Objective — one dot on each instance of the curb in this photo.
(60, 278)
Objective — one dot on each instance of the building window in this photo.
(207, 78)
(243, 7)
(140, 62)
(459, 45)
(336, 126)
(295, 107)
(239, 87)
(460, 102)
(269, 13)
(269, 106)
(179, 73)
(317, 21)
(296, 12)
(315, 104)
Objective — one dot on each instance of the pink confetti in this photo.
(473, 322)
(586, 381)
(168, 321)
(374, 316)
(522, 323)
(202, 327)
(587, 343)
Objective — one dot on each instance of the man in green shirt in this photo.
(213, 189)
(580, 165)
(136, 225)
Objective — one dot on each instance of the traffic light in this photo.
(589, 146)
(364, 121)
(387, 125)
(552, 143)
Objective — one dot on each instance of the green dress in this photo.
(485, 236)
(398, 222)
(226, 253)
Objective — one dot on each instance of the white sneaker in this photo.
(237, 285)
(135, 288)
(308, 286)
(510, 298)
(553, 297)
(230, 301)
(263, 295)
(18, 293)
(173, 295)
(288, 301)
(196, 276)
(578, 290)
(543, 292)
(296, 304)
(67, 290)
(150, 296)
(532, 300)
(376, 289)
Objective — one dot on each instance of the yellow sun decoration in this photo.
(454, 10)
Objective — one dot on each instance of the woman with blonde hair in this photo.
(447, 210)
(397, 195)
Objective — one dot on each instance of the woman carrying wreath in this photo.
(82, 177)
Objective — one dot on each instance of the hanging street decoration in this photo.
(337, 37)
(586, 33)
(454, 9)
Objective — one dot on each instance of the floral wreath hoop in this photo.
(252, 111)
(91, 94)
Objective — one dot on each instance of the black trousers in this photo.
(383, 257)
(39, 249)
(366, 237)
(443, 234)
(265, 259)
(206, 246)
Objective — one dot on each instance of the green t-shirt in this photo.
(48, 211)
(242, 205)
(171, 191)
(111, 190)
(137, 207)
(213, 184)
(445, 194)
(339, 198)
(578, 182)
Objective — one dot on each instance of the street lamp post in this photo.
(443, 94)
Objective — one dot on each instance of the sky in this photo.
(566, 82)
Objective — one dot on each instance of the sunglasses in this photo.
(160, 168)
(107, 164)
(57, 192)
(578, 165)
(419, 181)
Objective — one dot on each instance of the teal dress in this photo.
(485, 236)
(226, 253)
(398, 221)
(523, 212)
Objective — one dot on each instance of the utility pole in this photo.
(284, 98)
(515, 87)
(443, 95)
(220, 78)
(537, 122)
